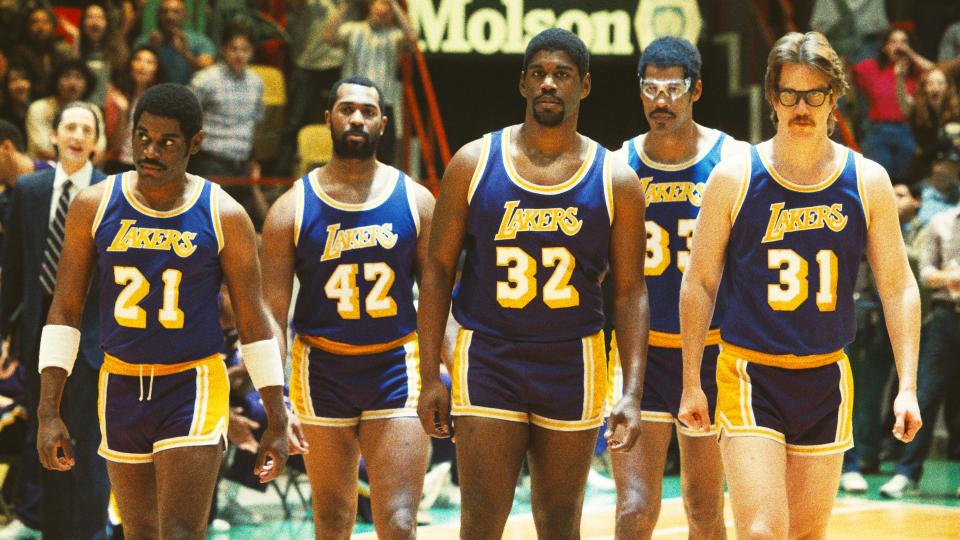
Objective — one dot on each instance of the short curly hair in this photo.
(174, 101)
(558, 39)
(671, 51)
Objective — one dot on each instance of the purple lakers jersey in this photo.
(673, 195)
(356, 265)
(536, 255)
(792, 261)
(159, 275)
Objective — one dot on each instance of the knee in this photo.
(704, 511)
(179, 531)
(760, 529)
(332, 519)
(557, 525)
(401, 524)
(636, 515)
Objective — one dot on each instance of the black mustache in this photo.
(663, 111)
(355, 131)
(548, 98)
(801, 119)
(152, 163)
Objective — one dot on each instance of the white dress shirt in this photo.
(79, 180)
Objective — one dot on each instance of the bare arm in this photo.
(277, 253)
(898, 292)
(631, 310)
(241, 268)
(701, 280)
(78, 260)
(439, 272)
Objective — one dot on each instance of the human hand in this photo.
(273, 453)
(906, 414)
(433, 408)
(52, 438)
(295, 436)
(694, 411)
(623, 426)
(240, 431)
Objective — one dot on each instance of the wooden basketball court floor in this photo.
(853, 518)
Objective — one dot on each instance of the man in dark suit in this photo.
(72, 504)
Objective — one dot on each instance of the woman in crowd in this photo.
(101, 46)
(142, 71)
(935, 103)
(889, 140)
(16, 89)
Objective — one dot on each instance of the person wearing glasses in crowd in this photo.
(786, 227)
(673, 161)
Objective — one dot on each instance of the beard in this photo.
(549, 119)
(352, 149)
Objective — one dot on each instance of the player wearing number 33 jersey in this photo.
(529, 299)
(154, 267)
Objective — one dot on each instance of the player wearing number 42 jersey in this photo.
(786, 226)
(542, 213)
(355, 234)
(673, 160)
(160, 242)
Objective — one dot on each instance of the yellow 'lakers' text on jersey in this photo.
(808, 218)
(367, 236)
(537, 220)
(129, 236)
(667, 192)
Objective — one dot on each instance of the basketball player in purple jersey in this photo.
(160, 241)
(786, 227)
(355, 234)
(542, 212)
(673, 161)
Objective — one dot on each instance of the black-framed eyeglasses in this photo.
(814, 97)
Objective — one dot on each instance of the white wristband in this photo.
(262, 359)
(58, 347)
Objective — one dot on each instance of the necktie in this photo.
(51, 251)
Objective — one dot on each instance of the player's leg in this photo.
(183, 512)
(812, 483)
(395, 452)
(701, 466)
(489, 455)
(135, 489)
(701, 479)
(756, 476)
(332, 465)
(559, 463)
(639, 478)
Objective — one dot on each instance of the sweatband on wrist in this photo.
(59, 345)
(262, 360)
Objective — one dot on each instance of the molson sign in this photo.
(608, 27)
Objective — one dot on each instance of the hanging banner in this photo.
(492, 27)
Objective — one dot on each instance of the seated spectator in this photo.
(935, 102)
(232, 100)
(142, 71)
(40, 49)
(101, 46)
(949, 53)
(17, 93)
(941, 190)
(182, 52)
(73, 82)
(888, 139)
(373, 48)
(131, 17)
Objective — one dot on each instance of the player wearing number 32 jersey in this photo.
(542, 213)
